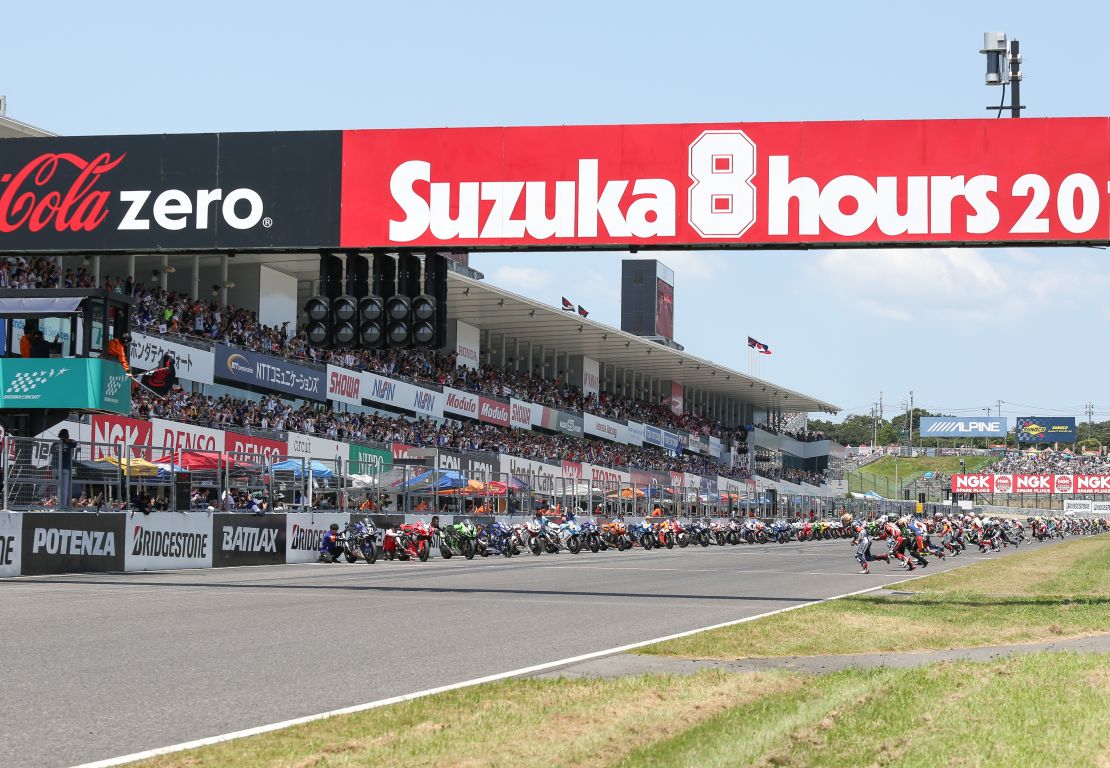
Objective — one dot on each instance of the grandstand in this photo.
(522, 379)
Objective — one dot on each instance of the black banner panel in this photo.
(210, 191)
(72, 542)
(243, 539)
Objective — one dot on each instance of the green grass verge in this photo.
(1035, 710)
(880, 475)
(1058, 591)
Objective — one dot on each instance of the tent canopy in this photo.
(432, 480)
(302, 468)
(134, 467)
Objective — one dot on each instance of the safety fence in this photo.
(45, 474)
(40, 474)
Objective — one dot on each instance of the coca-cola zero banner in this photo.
(170, 192)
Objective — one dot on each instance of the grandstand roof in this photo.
(494, 309)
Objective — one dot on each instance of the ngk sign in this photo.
(972, 483)
(120, 436)
(1004, 484)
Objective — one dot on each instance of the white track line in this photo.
(136, 756)
(123, 760)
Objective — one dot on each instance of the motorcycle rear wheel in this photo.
(445, 551)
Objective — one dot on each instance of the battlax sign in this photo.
(738, 185)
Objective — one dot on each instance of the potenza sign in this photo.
(726, 184)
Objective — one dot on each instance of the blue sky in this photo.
(962, 328)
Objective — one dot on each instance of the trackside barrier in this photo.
(40, 543)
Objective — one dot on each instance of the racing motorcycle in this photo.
(408, 541)
(359, 541)
(458, 539)
(591, 536)
(496, 539)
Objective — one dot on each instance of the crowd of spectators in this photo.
(164, 312)
(1049, 462)
(802, 436)
(789, 474)
(275, 414)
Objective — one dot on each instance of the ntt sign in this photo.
(968, 426)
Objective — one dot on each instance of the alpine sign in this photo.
(739, 185)
(962, 426)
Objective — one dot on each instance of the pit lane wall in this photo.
(45, 543)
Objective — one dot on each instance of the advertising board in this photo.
(11, 537)
(163, 540)
(1046, 429)
(962, 426)
(192, 363)
(240, 539)
(278, 374)
(303, 531)
(787, 184)
(72, 542)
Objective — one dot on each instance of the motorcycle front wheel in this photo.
(574, 545)
(370, 552)
(468, 549)
(423, 551)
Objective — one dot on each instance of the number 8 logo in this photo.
(722, 197)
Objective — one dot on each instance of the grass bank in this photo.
(1036, 710)
(1058, 591)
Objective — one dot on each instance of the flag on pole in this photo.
(582, 311)
(759, 346)
(568, 305)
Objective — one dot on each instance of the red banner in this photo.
(740, 184)
(257, 446)
(120, 431)
(493, 412)
(1062, 484)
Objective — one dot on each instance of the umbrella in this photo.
(134, 467)
(625, 493)
(472, 487)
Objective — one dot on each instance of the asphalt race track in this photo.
(96, 666)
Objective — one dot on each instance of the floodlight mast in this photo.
(1004, 68)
